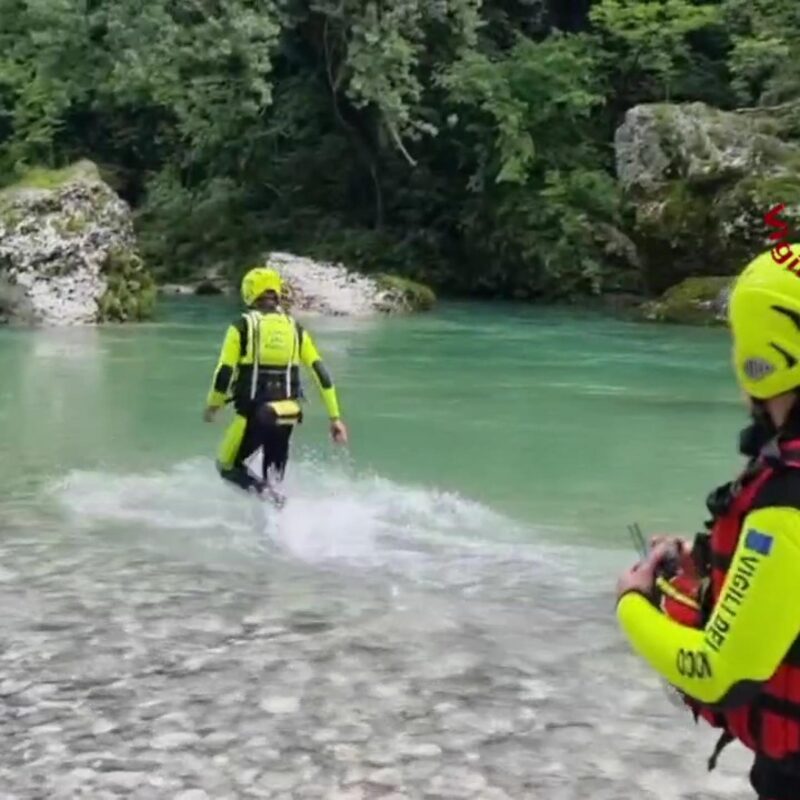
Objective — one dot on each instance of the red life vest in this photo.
(770, 723)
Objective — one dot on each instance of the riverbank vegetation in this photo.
(465, 144)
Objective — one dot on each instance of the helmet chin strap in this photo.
(763, 428)
(759, 412)
(760, 431)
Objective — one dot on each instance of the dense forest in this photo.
(465, 143)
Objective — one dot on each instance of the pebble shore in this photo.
(131, 672)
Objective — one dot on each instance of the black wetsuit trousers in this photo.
(261, 431)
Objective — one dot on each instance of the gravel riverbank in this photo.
(136, 672)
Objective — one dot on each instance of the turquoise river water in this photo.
(430, 616)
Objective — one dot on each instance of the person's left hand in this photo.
(209, 412)
(641, 577)
(338, 431)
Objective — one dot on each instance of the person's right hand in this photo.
(338, 431)
(684, 546)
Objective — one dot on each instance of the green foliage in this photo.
(182, 228)
(415, 296)
(765, 60)
(647, 42)
(42, 178)
(375, 53)
(130, 292)
(540, 96)
(537, 183)
(463, 143)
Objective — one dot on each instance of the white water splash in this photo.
(331, 517)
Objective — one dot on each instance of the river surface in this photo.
(431, 615)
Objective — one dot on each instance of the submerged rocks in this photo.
(211, 281)
(68, 253)
(334, 290)
(700, 181)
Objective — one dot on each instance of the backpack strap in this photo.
(253, 320)
(724, 740)
(789, 453)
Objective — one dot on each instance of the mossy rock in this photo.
(700, 180)
(71, 226)
(42, 178)
(408, 294)
(70, 229)
(677, 212)
(689, 229)
(673, 231)
(694, 301)
(130, 291)
(10, 216)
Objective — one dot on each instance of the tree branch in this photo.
(361, 146)
(399, 142)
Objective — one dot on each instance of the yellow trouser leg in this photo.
(231, 442)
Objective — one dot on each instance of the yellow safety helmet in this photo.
(259, 280)
(764, 315)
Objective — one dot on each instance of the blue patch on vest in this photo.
(758, 542)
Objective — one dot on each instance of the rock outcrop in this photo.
(68, 252)
(700, 181)
(693, 301)
(332, 289)
(320, 287)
